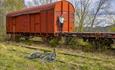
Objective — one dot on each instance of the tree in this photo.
(1, 15)
(86, 13)
(13, 5)
(100, 5)
(81, 12)
(7, 6)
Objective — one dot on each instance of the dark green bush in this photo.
(54, 42)
(78, 43)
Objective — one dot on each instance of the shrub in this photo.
(77, 43)
(72, 42)
(54, 42)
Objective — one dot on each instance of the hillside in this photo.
(100, 29)
(14, 57)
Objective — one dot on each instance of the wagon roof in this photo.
(34, 9)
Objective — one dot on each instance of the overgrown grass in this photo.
(13, 57)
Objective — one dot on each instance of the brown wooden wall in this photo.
(42, 19)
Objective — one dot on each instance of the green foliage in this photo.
(28, 42)
(76, 43)
(72, 42)
(54, 42)
(84, 45)
(12, 5)
(112, 29)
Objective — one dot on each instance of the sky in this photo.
(113, 5)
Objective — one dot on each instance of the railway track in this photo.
(63, 53)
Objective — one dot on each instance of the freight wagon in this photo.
(51, 20)
(42, 20)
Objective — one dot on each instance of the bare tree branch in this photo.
(82, 13)
(99, 7)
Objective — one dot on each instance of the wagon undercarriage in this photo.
(96, 39)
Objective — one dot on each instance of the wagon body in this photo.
(42, 19)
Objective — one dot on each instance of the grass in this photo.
(13, 57)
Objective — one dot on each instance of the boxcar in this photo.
(46, 19)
